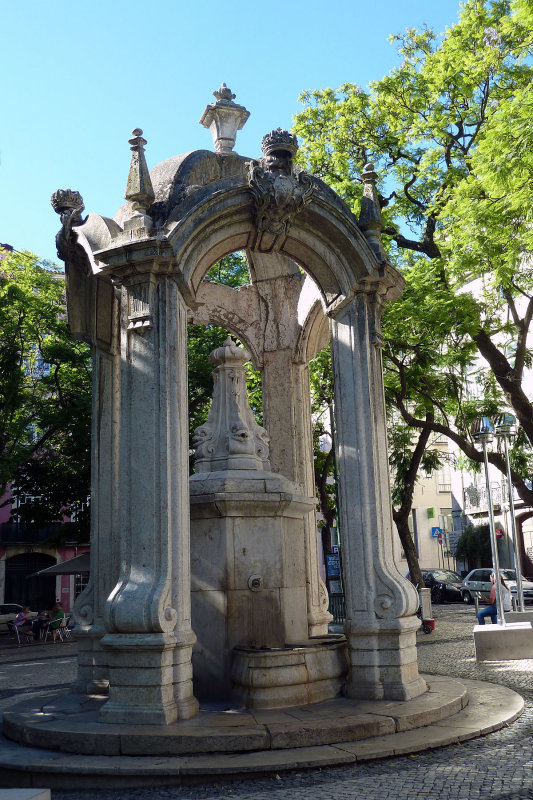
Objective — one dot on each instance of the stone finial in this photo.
(224, 118)
(139, 190)
(231, 438)
(370, 220)
(224, 95)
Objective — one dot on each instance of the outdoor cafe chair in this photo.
(63, 631)
(22, 636)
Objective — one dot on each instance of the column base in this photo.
(150, 679)
(383, 661)
(93, 669)
(318, 622)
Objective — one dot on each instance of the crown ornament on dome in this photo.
(279, 140)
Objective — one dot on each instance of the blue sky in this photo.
(76, 78)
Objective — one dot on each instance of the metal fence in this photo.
(337, 607)
(475, 498)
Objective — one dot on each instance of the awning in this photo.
(74, 566)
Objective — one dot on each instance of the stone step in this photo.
(483, 708)
(69, 722)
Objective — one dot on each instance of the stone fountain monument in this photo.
(133, 282)
(203, 647)
(207, 588)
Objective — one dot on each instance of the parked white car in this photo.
(478, 583)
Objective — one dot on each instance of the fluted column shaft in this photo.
(147, 616)
(380, 604)
(93, 672)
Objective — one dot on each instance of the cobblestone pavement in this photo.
(495, 767)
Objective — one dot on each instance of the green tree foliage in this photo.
(45, 396)
(473, 546)
(321, 383)
(449, 131)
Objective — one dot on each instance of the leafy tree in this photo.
(449, 132)
(473, 546)
(45, 396)
(321, 382)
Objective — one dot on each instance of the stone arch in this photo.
(323, 239)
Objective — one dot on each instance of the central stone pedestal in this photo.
(248, 563)
(248, 594)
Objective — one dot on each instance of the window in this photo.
(80, 582)
(18, 502)
(445, 519)
(444, 481)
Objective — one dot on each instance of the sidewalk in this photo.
(10, 651)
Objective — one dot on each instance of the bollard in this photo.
(476, 603)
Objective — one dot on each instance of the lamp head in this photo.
(482, 429)
(505, 425)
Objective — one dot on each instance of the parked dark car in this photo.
(445, 585)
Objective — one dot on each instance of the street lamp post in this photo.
(505, 427)
(482, 431)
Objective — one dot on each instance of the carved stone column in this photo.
(380, 603)
(93, 673)
(149, 638)
(287, 415)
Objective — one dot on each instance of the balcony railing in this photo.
(475, 498)
(19, 533)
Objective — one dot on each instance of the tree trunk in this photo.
(402, 524)
(508, 380)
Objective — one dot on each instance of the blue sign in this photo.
(333, 564)
(435, 532)
(335, 548)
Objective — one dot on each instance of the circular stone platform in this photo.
(55, 738)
